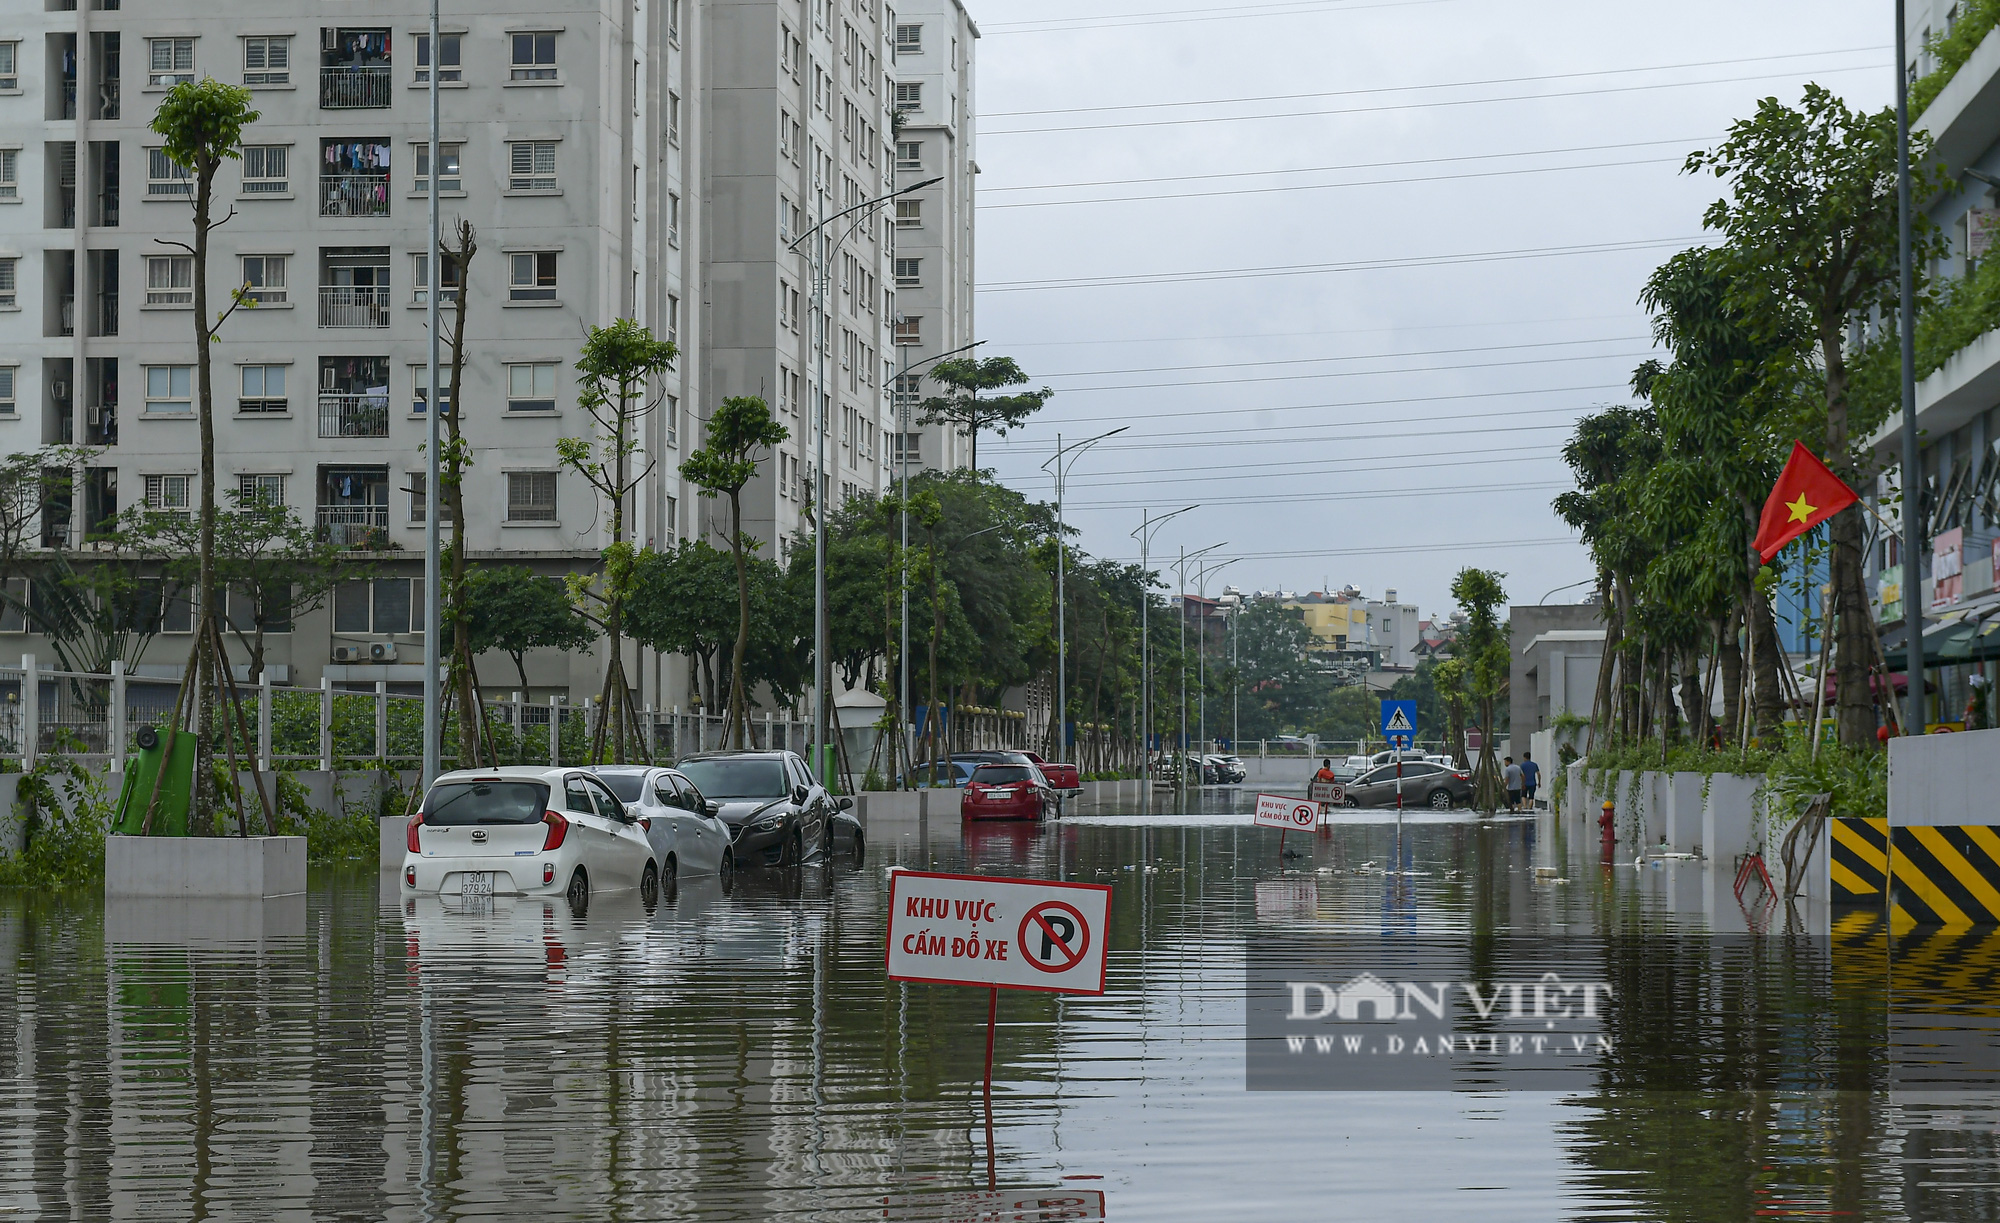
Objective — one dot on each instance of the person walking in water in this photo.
(1512, 776)
(1531, 777)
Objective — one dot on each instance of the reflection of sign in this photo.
(1011, 933)
(1288, 814)
(1278, 899)
(1328, 793)
(1982, 230)
(1399, 723)
(1947, 566)
(994, 1206)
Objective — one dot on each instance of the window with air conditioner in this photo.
(534, 57)
(267, 169)
(450, 70)
(263, 389)
(532, 165)
(531, 387)
(171, 62)
(531, 496)
(449, 180)
(169, 280)
(264, 279)
(531, 276)
(267, 61)
(169, 494)
(169, 389)
(163, 176)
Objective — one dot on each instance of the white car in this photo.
(527, 831)
(687, 836)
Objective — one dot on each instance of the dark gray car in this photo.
(776, 812)
(1424, 784)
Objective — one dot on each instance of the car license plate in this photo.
(475, 883)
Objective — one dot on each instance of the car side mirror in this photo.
(711, 807)
(845, 804)
(799, 795)
(629, 812)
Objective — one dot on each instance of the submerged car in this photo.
(527, 830)
(1423, 784)
(681, 823)
(1061, 776)
(1007, 792)
(777, 813)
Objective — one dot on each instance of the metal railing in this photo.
(354, 88)
(107, 314)
(353, 526)
(353, 416)
(354, 195)
(354, 306)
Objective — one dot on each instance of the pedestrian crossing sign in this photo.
(1399, 723)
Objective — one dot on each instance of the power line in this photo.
(1359, 373)
(1363, 265)
(1328, 467)
(1502, 80)
(1353, 495)
(1359, 110)
(1293, 335)
(1267, 441)
(1372, 356)
(1295, 8)
(1401, 548)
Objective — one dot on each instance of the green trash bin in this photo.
(171, 819)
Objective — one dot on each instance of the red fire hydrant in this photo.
(1607, 830)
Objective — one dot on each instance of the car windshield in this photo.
(737, 778)
(627, 786)
(485, 802)
(999, 774)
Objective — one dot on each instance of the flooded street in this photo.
(348, 1056)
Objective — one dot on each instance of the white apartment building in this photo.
(652, 159)
(934, 227)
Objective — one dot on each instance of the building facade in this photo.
(656, 161)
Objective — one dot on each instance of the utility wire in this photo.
(1294, 335)
(1400, 548)
(1326, 467)
(1357, 373)
(1296, 8)
(1371, 356)
(1367, 494)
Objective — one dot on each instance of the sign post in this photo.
(997, 934)
(1399, 728)
(1286, 815)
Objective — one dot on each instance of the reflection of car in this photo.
(687, 837)
(1423, 784)
(1007, 792)
(777, 814)
(1061, 776)
(1221, 771)
(525, 830)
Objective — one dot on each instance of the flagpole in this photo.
(1913, 613)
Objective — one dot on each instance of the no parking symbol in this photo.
(1054, 937)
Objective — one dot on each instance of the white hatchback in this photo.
(527, 831)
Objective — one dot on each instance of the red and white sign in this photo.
(1288, 814)
(995, 1206)
(1010, 933)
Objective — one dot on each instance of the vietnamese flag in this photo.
(1805, 495)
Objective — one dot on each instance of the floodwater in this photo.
(347, 1056)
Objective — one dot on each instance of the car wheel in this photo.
(670, 876)
(860, 847)
(1351, 802)
(726, 872)
(794, 850)
(826, 843)
(649, 884)
(578, 893)
(1440, 800)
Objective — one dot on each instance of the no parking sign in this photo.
(1001, 933)
(1286, 814)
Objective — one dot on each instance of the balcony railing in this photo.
(354, 195)
(354, 526)
(362, 88)
(353, 415)
(353, 306)
(107, 314)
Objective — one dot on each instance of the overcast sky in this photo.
(1510, 168)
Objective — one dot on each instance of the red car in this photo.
(1061, 776)
(1006, 792)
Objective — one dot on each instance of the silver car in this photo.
(680, 822)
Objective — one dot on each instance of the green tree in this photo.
(1482, 645)
(513, 609)
(740, 432)
(684, 601)
(1284, 689)
(966, 407)
(1811, 242)
(616, 375)
(1609, 454)
(201, 125)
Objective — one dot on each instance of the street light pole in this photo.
(903, 397)
(433, 553)
(1147, 525)
(1062, 549)
(1201, 649)
(1181, 578)
(1913, 576)
(822, 257)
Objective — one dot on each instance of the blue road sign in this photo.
(1399, 723)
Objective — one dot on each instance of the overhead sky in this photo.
(1350, 270)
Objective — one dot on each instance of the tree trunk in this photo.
(521, 669)
(1854, 644)
(1732, 677)
(451, 495)
(1693, 700)
(1769, 698)
(1607, 662)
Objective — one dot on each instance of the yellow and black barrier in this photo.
(1947, 875)
(1858, 859)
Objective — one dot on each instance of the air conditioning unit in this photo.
(382, 651)
(350, 653)
(59, 388)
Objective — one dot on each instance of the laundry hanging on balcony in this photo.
(355, 156)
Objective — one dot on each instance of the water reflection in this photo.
(741, 1056)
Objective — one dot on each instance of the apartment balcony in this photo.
(353, 416)
(354, 526)
(1964, 121)
(354, 88)
(354, 195)
(353, 306)
(68, 324)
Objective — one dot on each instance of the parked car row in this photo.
(532, 830)
(1216, 770)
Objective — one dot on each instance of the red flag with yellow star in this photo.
(1805, 495)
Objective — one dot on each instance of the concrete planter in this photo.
(1728, 818)
(395, 841)
(207, 867)
(1683, 825)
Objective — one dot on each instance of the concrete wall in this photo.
(1941, 780)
